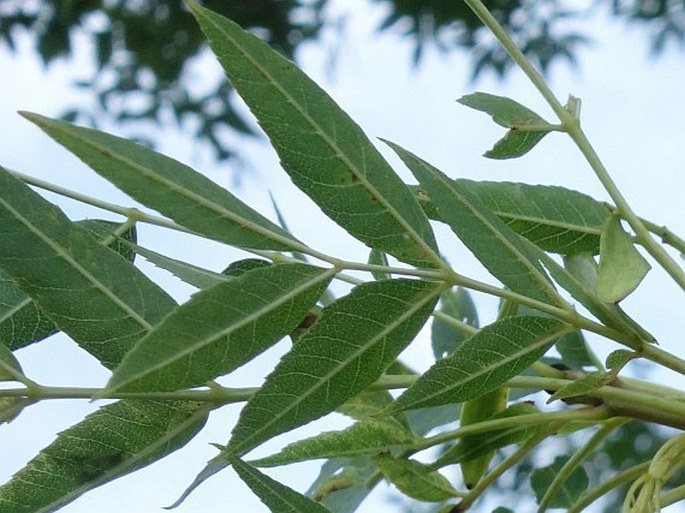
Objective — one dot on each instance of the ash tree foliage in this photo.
(143, 51)
(561, 263)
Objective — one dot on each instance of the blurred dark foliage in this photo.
(142, 49)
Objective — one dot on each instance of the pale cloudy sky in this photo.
(633, 111)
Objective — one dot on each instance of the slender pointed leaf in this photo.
(621, 266)
(348, 348)
(484, 362)
(456, 303)
(325, 153)
(581, 386)
(189, 273)
(221, 328)
(415, 479)
(504, 111)
(21, 321)
(526, 128)
(95, 296)
(366, 437)
(169, 187)
(277, 497)
(113, 441)
(554, 218)
(494, 244)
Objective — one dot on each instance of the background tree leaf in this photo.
(113, 441)
(221, 328)
(492, 242)
(621, 266)
(323, 150)
(483, 362)
(169, 187)
(349, 347)
(341, 484)
(571, 490)
(95, 296)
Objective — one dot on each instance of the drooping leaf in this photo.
(554, 218)
(341, 484)
(619, 357)
(415, 479)
(21, 321)
(221, 328)
(169, 187)
(568, 493)
(113, 441)
(95, 296)
(324, 151)
(377, 257)
(526, 128)
(366, 437)
(621, 266)
(240, 267)
(476, 445)
(349, 347)
(456, 303)
(493, 243)
(277, 497)
(483, 362)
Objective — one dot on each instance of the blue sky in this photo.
(633, 112)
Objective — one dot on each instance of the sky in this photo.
(633, 111)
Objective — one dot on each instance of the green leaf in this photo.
(341, 484)
(497, 353)
(325, 152)
(574, 350)
(586, 384)
(366, 437)
(10, 408)
(9, 365)
(415, 479)
(493, 243)
(189, 273)
(621, 266)
(349, 347)
(21, 321)
(240, 267)
(221, 328)
(515, 143)
(456, 303)
(113, 441)
(276, 496)
(554, 218)
(169, 187)
(568, 493)
(92, 294)
(377, 257)
(619, 358)
(526, 127)
(474, 446)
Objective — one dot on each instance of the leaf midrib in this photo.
(430, 294)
